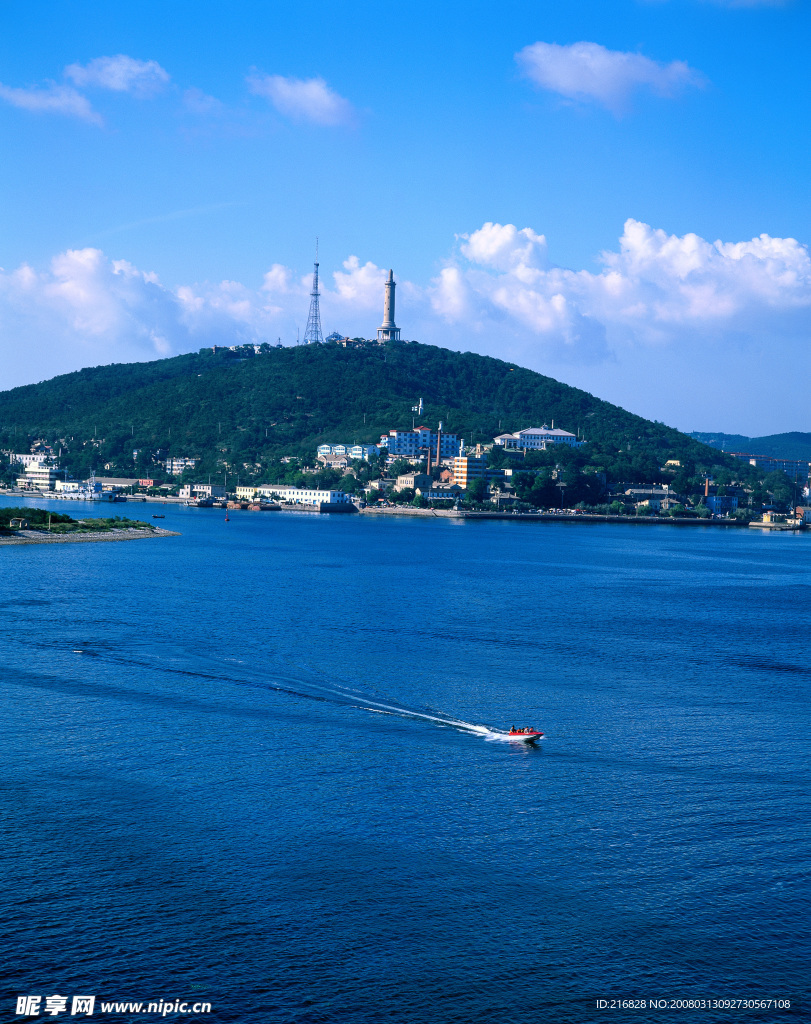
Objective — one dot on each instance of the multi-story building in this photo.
(654, 493)
(202, 491)
(176, 466)
(474, 467)
(303, 495)
(413, 481)
(350, 451)
(415, 444)
(38, 477)
(467, 468)
(27, 459)
(339, 462)
(795, 469)
(440, 492)
(537, 439)
(719, 504)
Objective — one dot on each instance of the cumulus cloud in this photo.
(120, 73)
(655, 289)
(51, 99)
(302, 99)
(588, 71)
(499, 294)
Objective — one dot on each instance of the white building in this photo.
(416, 444)
(26, 459)
(537, 439)
(38, 477)
(175, 466)
(350, 451)
(303, 495)
(202, 491)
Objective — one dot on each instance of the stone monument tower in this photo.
(388, 330)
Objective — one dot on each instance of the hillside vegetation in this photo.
(239, 412)
(792, 445)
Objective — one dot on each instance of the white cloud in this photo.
(504, 247)
(198, 102)
(121, 73)
(359, 286)
(52, 99)
(656, 289)
(302, 99)
(588, 71)
(655, 292)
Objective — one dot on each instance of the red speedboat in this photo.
(529, 735)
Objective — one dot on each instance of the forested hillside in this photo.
(792, 445)
(241, 411)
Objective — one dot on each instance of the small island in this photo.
(39, 526)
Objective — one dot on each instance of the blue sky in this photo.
(611, 193)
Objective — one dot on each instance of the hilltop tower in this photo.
(388, 330)
(312, 334)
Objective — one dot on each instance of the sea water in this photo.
(258, 766)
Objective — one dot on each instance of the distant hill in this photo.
(793, 445)
(243, 408)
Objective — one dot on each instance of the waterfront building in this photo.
(467, 468)
(537, 439)
(246, 492)
(720, 504)
(440, 492)
(658, 504)
(413, 481)
(303, 495)
(202, 491)
(654, 493)
(114, 482)
(38, 477)
(383, 484)
(417, 443)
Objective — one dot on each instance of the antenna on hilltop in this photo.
(312, 334)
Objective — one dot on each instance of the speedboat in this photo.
(525, 735)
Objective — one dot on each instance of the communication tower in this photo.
(312, 334)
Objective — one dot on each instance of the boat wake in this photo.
(299, 681)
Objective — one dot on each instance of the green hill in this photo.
(792, 445)
(241, 411)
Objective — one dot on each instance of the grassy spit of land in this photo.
(38, 526)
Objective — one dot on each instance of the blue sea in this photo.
(257, 766)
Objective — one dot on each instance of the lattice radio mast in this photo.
(313, 335)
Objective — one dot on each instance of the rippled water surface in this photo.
(259, 765)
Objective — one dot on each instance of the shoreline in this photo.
(37, 537)
(562, 517)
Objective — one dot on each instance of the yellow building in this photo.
(467, 468)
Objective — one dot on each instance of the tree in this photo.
(476, 490)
